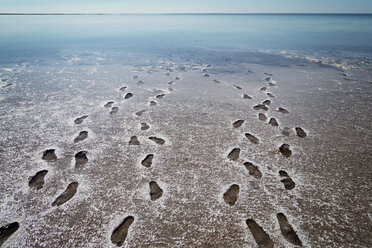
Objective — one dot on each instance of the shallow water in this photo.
(55, 69)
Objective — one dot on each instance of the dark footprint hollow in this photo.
(262, 117)
(262, 239)
(144, 126)
(231, 195)
(263, 89)
(114, 110)
(237, 87)
(80, 119)
(123, 88)
(245, 96)
(266, 102)
(49, 155)
(147, 162)
(37, 181)
(285, 150)
(155, 191)
(108, 105)
(140, 113)
(300, 132)
(287, 231)
(81, 158)
(128, 95)
(67, 194)
(252, 138)
(153, 103)
(270, 95)
(286, 131)
(216, 81)
(157, 140)
(134, 141)
(234, 154)
(273, 122)
(120, 233)
(7, 231)
(253, 170)
(261, 107)
(287, 180)
(283, 110)
(82, 136)
(160, 96)
(238, 123)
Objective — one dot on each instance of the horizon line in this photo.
(195, 13)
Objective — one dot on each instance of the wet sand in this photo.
(168, 177)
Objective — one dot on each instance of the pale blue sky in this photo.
(187, 6)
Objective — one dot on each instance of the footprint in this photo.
(67, 194)
(286, 131)
(144, 126)
(140, 82)
(238, 123)
(177, 78)
(237, 87)
(268, 79)
(49, 155)
(266, 102)
(285, 150)
(7, 231)
(245, 96)
(287, 180)
(252, 138)
(206, 75)
(231, 195)
(160, 96)
(147, 162)
(300, 132)
(273, 122)
(81, 158)
(128, 95)
(171, 82)
(268, 74)
(272, 84)
(262, 239)
(123, 88)
(253, 170)
(155, 191)
(153, 103)
(134, 141)
(216, 81)
(262, 117)
(234, 154)
(114, 110)
(170, 89)
(135, 77)
(80, 119)
(120, 233)
(261, 107)
(139, 113)
(157, 140)
(108, 105)
(270, 95)
(283, 110)
(37, 181)
(82, 136)
(287, 231)
(263, 89)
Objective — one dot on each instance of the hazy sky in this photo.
(188, 6)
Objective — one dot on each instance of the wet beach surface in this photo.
(200, 194)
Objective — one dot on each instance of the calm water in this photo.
(338, 37)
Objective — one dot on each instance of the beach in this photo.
(164, 145)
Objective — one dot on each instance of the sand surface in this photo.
(168, 165)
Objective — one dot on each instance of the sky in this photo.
(186, 6)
